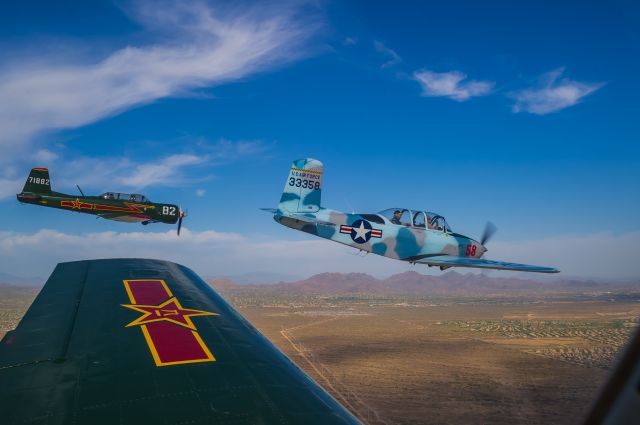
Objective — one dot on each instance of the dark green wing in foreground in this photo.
(148, 342)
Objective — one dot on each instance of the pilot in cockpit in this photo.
(432, 223)
(396, 217)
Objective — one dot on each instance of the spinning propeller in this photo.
(181, 215)
(489, 230)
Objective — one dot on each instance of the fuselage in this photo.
(377, 234)
(111, 209)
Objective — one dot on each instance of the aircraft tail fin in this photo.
(38, 181)
(303, 188)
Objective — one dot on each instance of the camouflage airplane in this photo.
(133, 208)
(419, 237)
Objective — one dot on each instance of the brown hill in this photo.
(411, 283)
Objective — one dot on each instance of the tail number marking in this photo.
(471, 250)
(39, 180)
(304, 183)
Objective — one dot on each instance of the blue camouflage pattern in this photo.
(429, 241)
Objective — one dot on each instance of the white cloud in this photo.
(225, 149)
(394, 58)
(451, 84)
(44, 156)
(552, 94)
(213, 253)
(210, 253)
(161, 172)
(200, 46)
(9, 187)
(201, 192)
(349, 41)
(111, 173)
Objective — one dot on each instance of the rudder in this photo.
(38, 181)
(303, 189)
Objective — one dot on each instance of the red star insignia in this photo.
(170, 311)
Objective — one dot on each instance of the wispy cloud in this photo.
(174, 169)
(392, 57)
(349, 41)
(9, 187)
(161, 172)
(199, 46)
(552, 94)
(452, 84)
(211, 252)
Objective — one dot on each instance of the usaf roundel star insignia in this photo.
(361, 231)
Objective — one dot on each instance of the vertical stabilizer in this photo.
(303, 188)
(38, 181)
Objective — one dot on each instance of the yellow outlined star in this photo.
(171, 311)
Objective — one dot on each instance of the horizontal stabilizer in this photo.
(453, 261)
(310, 220)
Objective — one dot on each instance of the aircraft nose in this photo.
(483, 249)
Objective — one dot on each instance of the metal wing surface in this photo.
(133, 341)
(453, 261)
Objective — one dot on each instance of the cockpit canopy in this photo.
(421, 219)
(133, 197)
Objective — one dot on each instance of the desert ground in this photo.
(439, 360)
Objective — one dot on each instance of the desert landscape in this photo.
(459, 348)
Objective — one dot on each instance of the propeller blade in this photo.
(489, 230)
(182, 215)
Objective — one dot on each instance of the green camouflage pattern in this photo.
(134, 208)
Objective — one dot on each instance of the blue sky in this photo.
(522, 113)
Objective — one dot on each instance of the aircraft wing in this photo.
(453, 261)
(124, 216)
(133, 341)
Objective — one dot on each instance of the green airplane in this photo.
(132, 208)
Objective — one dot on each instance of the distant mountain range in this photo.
(413, 283)
(407, 283)
(10, 279)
